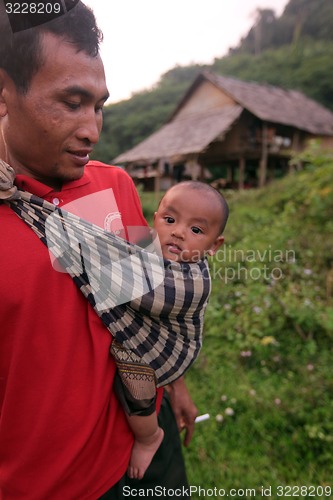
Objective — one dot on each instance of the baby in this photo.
(189, 223)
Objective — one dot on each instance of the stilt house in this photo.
(245, 131)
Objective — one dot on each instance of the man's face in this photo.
(49, 132)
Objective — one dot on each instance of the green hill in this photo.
(268, 345)
(265, 370)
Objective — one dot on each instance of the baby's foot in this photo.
(142, 454)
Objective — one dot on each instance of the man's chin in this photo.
(72, 174)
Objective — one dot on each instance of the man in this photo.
(63, 434)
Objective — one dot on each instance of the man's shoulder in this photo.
(92, 165)
(99, 164)
(98, 173)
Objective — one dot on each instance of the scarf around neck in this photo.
(150, 305)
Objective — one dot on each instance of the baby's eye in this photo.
(169, 220)
(196, 230)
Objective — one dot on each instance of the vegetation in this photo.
(307, 67)
(301, 19)
(264, 374)
(293, 51)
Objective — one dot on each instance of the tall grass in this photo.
(265, 371)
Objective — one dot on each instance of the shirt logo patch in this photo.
(112, 223)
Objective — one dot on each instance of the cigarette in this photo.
(201, 418)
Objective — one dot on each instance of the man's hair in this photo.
(202, 186)
(21, 52)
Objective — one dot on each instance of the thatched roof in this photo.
(191, 134)
(183, 136)
(277, 105)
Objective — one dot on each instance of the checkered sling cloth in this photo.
(152, 307)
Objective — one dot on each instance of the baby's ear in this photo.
(216, 245)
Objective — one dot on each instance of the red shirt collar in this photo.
(42, 190)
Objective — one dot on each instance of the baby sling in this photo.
(153, 307)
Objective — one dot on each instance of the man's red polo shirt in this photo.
(63, 434)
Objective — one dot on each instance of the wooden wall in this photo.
(206, 97)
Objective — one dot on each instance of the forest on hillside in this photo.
(293, 51)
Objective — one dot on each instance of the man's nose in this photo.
(90, 128)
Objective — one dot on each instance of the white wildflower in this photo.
(246, 354)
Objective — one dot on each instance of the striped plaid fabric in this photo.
(152, 306)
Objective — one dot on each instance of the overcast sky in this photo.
(145, 38)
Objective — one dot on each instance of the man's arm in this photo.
(183, 407)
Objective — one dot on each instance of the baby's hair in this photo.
(202, 186)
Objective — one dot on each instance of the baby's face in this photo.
(187, 223)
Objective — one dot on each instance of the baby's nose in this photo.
(178, 232)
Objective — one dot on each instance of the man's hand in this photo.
(183, 407)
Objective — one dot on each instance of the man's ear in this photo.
(216, 245)
(3, 82)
